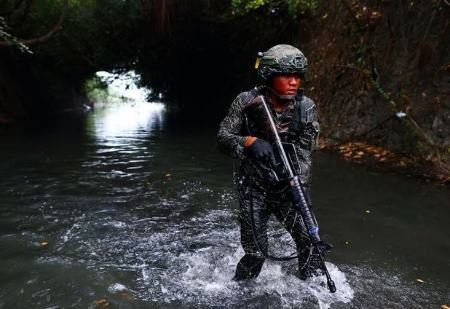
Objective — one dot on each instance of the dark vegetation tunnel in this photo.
(199, 56)
(368, 59)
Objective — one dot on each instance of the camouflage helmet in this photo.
(281, 59)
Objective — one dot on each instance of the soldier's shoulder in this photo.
(307, 103)
(245, 97)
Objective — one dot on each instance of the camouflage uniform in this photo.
(297, 125)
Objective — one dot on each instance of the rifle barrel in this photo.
(313, 229)
(300, 200)
(277, 139)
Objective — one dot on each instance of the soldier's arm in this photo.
(229, 140)
(309, 137)
(315, 129)
(310, 134)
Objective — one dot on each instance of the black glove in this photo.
(262, 150)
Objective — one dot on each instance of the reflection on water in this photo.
(142, 215)
(124, 122)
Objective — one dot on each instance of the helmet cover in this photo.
(281, 59)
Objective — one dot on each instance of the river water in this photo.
(135, 211)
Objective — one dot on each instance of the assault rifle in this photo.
(318, 247)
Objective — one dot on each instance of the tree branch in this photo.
(45, 37)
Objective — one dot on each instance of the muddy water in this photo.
(137, 212)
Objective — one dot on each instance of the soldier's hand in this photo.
(262, 150)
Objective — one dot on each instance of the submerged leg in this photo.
(253, 217)
(292, 221)
(248, 267)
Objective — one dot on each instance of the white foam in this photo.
(192, 262)
(208, 275)
(118, 224)
(116, 287)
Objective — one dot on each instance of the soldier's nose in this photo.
(293, 80)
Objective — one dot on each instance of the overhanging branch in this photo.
(57, 27)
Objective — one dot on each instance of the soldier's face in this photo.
(286, 84)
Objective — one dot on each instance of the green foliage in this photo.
(294, 7)
(96, 90)
(244, 6)
(302, 7)
(95, 34)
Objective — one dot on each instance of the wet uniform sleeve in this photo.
(313, 130)
(229, 140)
(309, 138)
(316, 126)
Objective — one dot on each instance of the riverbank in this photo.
(430, 168)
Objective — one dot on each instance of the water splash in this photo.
(208, 279)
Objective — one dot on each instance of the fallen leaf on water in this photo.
(420, 280)
(103, 302)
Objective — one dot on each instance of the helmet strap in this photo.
(279, 96)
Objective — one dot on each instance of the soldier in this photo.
(244, 134)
